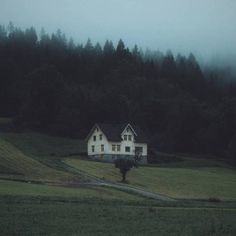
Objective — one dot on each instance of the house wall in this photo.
(128, 131)
(144, 146)
(97, 144)
(109, 154)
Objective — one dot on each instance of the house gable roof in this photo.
(131, 128)
(113, 132)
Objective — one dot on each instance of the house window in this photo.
(100, 136)
(127, 149)
(102, 148)
(113, 147)
(94, 138)
(125, 137)
(128, 129)
(130, 137)
(93, 148)
(118, 148)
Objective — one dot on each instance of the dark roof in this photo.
(113, 132)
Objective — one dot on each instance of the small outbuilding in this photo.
(108, 142)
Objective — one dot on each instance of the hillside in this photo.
(31, 155)
(50, 85)
(15, 164)
(188, 179)
(41, 145)
(64, 208)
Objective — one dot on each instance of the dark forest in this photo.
(50, 84)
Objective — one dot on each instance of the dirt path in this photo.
(94, 181)
(91, 180)
(137, 191)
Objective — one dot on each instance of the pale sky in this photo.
(204, 27)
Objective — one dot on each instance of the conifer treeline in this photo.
(51, 84)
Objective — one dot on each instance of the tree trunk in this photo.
(123, 176)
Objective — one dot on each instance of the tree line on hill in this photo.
(49, 83)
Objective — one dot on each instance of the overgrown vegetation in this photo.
(50, 84)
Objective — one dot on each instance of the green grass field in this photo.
(5, 120)
(48, 217)
(28, 208)
(14, 188)
(193, 183)
(15, 164)
(44, 146)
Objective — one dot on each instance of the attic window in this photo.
(130, 137)
(100, 136)
(125, 137)
(128, 129)
(94, 138)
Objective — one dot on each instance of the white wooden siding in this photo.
(108, 145)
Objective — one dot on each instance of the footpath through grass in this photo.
(20, 189)
(185, 183)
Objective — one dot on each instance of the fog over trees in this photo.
(51, 84)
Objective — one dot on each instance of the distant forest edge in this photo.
(48, 83)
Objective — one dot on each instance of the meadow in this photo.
(99, 218)
(36, 197)
(185, 183)
(16, 165)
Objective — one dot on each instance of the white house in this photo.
(108, 142)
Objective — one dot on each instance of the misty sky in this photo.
(204, 27)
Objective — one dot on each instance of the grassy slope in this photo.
(45, 146)
(49, 150)
(183, 179)
(5, 120)
(176, 182)
(36, 156)
(15, 164)
(35, 209)
(13, 188)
